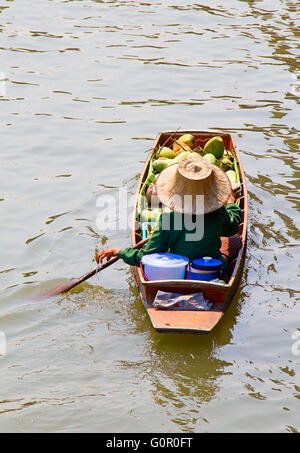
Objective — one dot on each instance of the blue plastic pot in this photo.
(205, 268)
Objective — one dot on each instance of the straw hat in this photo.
(179, 184)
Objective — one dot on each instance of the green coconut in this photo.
(166, 152)
(210, 158)
(231, 175)
(193, 154)
(188, 139)
(160, 164)
(181, 156)
(214, 146)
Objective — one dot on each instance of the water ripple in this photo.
(84, 87)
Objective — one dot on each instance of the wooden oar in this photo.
(71, 283)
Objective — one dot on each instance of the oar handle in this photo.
(70, 284)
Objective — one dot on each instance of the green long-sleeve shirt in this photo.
(222, 222)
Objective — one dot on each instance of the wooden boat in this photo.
(221, 294)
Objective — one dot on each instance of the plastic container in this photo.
(205, 268)
(164, 266)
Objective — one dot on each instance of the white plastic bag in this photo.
(173, 301)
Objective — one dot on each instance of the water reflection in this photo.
(182, 369)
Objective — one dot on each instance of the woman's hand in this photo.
(106, 253)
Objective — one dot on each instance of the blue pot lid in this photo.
(165, 260)
(207, 264)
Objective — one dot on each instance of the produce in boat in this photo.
(188, 139)
(164, 151)
(160, 164)
(226, 164)
(179, 148)
(228, 154)
(214, 146)
(231, 175)
(180, 157)
(198, 150)
(193, 154)
(210, 157)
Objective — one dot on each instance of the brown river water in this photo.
(85, 86)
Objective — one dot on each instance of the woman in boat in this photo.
(198, 195)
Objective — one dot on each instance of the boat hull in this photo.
(219, 294)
